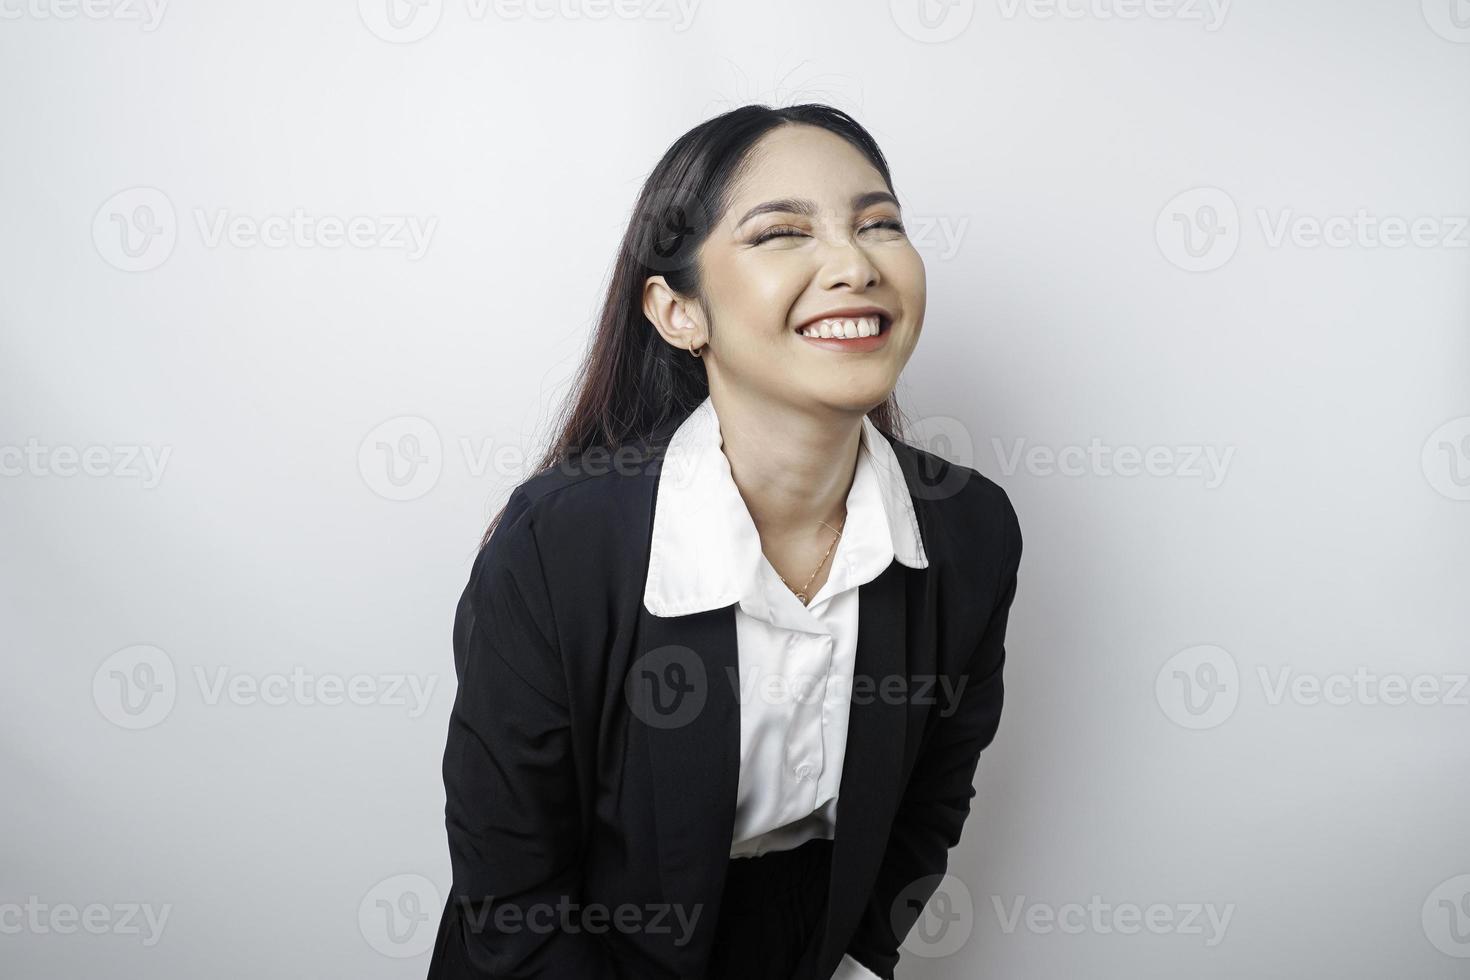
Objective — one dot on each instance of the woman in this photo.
(727, 662)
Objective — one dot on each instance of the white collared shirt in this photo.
(795, 661)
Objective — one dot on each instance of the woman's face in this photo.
(825, 237)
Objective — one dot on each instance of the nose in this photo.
(846, 264)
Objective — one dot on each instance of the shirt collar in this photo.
(706, 552)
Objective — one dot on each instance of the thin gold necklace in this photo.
(801, 593)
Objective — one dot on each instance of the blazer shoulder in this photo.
(599, 484)
(537, 526)
(965, 503)
(991, 499)
(581, 507)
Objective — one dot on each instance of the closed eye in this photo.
(790, 231)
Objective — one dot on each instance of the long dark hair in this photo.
(631, 381)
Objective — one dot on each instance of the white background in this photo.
(1115, 204)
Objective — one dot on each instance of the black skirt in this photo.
(771, 914)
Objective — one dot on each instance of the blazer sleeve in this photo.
(936, 801)
(511, 798)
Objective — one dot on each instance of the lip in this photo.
(856, 345)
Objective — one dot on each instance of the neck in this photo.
(793, 468)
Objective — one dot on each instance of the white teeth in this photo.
(851, 328)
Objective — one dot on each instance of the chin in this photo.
(854, 397)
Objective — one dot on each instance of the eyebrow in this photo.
(791, 205)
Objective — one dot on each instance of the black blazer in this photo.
(592, 758)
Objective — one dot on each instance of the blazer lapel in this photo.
(680, 689)
(873, 763)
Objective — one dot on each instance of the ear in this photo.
(678, 320)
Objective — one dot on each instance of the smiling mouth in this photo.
(847, 328)
(848, 335)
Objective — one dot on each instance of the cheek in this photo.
(908, 279)
(909, 275)
(751, 298)
(766, 296)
